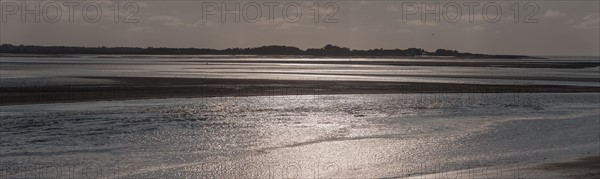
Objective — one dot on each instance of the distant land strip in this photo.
(328, 50)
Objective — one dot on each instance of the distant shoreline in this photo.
(273, 50)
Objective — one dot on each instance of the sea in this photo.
(296, 136)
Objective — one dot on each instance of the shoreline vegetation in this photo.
(327, 51)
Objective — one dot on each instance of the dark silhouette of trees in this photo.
(327, 50)
(444, 52)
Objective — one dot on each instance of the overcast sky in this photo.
(553, 28)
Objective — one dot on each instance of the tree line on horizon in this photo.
(328, 50)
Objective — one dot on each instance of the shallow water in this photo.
(21, 71)
(391, 135)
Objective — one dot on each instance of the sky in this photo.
(492, 27)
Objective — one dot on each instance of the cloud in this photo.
(288, 25)
(176, 22)
(142, 3)
(278, 23)
(553, 13)
(418, 23)
(167, 20)
(392, 8)
(475, 28)
(404, 31)
(208, 23)
(142, 28)
(590, 21)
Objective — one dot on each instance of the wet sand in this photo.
(587, 167)
(125, 88)
(437, 63)
(580, 168)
